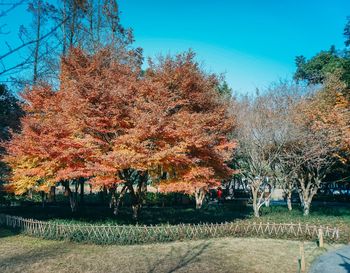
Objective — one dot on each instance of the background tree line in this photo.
(89, 114)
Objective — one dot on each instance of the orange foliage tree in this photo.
(111, 124)
(192, 142)
(48, 149)
(319, 137)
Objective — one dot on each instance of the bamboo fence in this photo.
(124, 234)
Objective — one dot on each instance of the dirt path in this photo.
(336, 261)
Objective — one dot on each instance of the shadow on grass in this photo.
(4, 232)
(19, 261)
(175, 259)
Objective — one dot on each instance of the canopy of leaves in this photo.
(10, 114)
(315, 70)
(106, 120)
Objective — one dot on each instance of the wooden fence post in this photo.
(302, 258)
(320, 237)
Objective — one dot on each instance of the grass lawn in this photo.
(20, 253)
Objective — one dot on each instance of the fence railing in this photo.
(124, 234)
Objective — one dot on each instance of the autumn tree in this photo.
(106, 91)
(23, 155)
(170, 127)
(254, 138)
(309, 156)
(319, 138)
(10, 114)
(262, 132)
(194, 141)
(47, 150)
(286, 95)
(112, 126)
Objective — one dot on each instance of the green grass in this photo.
(331, 216)
(20, 253)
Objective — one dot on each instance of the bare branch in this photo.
(12, 7)
(33, 41)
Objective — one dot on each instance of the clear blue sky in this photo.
(253, 41)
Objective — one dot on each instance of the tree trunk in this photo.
(301, 197)
(199, 195)
(112, 202)
(81, 183)
(289, 201)
(135, 201)
(135, 211)
(42, 193)
(138, 196)
(308, 188)
(30, 194)
(76, 188)
(267, 195)
(306, 198)
(72, 200)
(255, 202)
(103, 194)
(306, 208)
(52, 194)
(120, 197)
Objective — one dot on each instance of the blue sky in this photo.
(254, 42)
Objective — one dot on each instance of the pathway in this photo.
(336, 261)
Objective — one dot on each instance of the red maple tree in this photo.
(112, 125)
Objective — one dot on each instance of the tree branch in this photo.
(33, 41)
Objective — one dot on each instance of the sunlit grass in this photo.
(20, 253)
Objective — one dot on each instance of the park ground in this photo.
(19, 253)
(335, 261)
